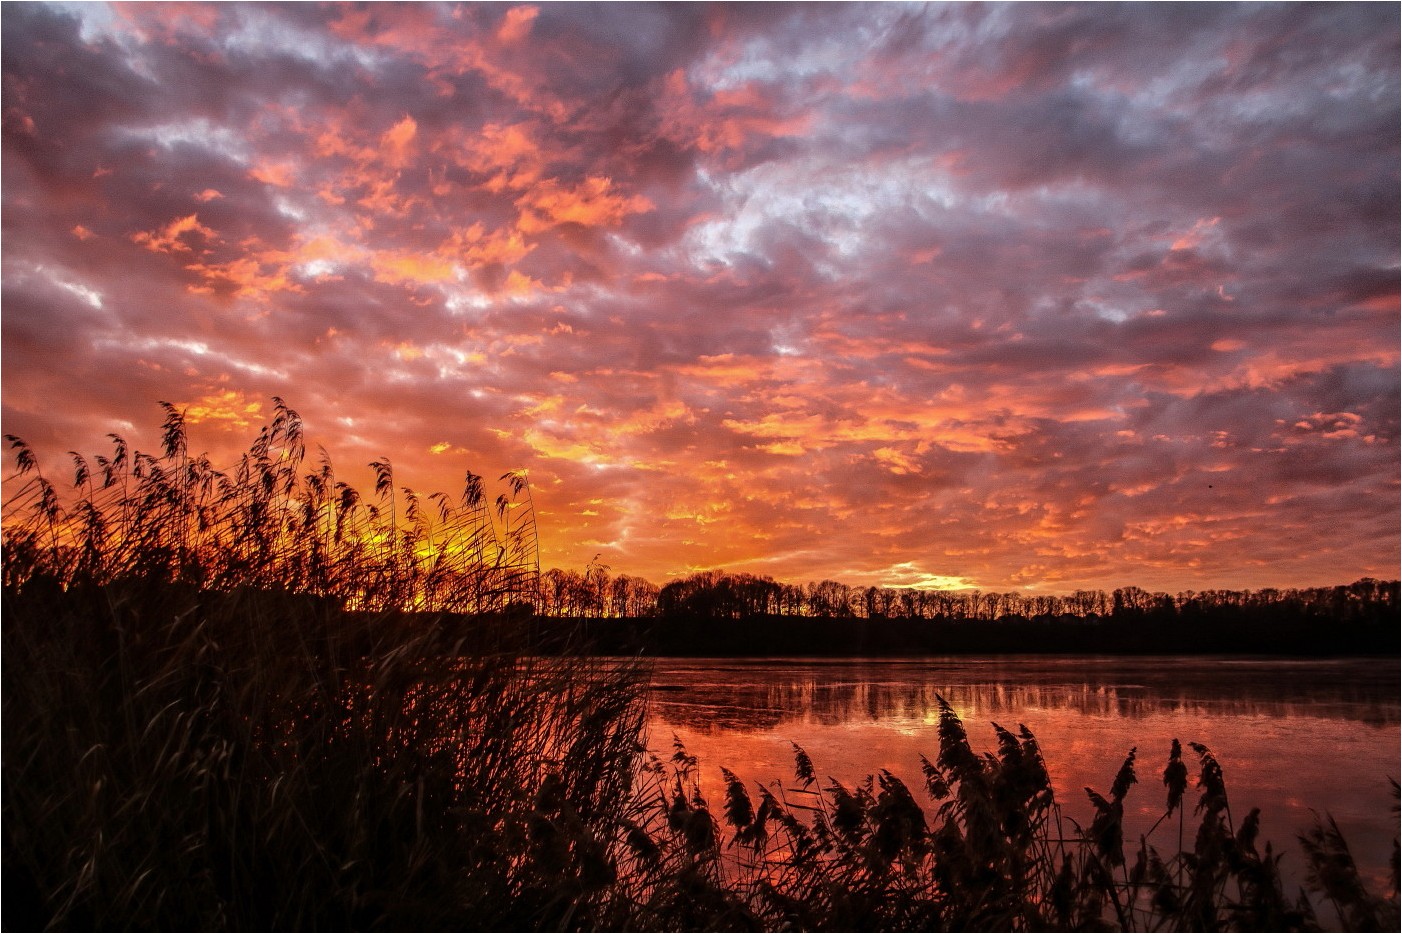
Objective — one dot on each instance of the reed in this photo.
(218, 715)
(995, 853)
(268, 522)
(178, 758)
(250, 760)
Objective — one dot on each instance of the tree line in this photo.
(595, 593)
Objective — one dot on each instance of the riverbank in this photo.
(177, 758)
(1228, 631)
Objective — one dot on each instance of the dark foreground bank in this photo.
(183, 759)
(1224, 631)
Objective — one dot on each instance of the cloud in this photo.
(171, 238)
(1046, 296)
(591, 203)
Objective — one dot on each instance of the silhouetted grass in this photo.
(269, 523)
(190, 759)
(180, 758)
(217, 715)
(996, 853)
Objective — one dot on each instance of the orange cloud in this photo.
(170, 238)
(404, 267)
(1195, 236)
(727, 120)
(517, 283)
(477, 248)
(326, 249)
(508, 154)
(896, 461)
(397, 143)
(591, 203)
(1331, 425)
(229, 408)
(332, 141)
(516, 25)
(768, 269)
(384, 197)
(244, 277)
(277, 174)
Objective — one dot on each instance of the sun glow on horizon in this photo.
(964, 305)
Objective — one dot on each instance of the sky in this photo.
(1034, 297)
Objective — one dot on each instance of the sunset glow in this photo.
(1037, 297)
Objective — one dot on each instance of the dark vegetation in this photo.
(723, 595)
(720, 614)
(225, 707)
(270, 523)
(1226, 631)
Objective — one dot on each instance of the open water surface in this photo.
(1293, 737)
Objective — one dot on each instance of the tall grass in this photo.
(178, 758)
(218, 716)
(993, 852)
(270, 521)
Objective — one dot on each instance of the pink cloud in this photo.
(1035, 296)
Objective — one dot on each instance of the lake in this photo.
(1292, 736)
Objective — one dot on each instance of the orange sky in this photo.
(1039, 297)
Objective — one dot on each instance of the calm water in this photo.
(1291, 735)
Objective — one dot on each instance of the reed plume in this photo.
(265, 523)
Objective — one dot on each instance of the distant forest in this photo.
(717, 613)
(721, 595)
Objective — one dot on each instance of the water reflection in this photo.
(1294, 737)
(749, 695)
